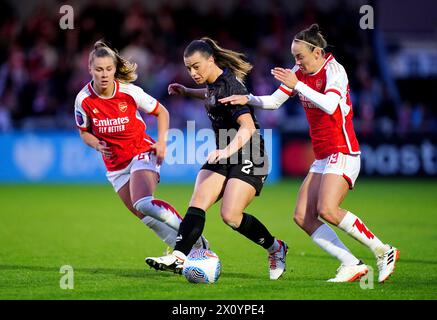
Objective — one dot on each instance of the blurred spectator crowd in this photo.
(43, 67)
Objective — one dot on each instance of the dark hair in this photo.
(312, 37)
(223, 58)
(125, 70)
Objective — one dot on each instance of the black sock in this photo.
(190, 230)
(254, 230)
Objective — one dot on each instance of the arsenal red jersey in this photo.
(329, 133)
(117, 121)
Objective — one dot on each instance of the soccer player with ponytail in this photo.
(108, 118)
(323, 88)
(235, 172)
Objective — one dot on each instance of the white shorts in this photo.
(143, 161)
(345, 165)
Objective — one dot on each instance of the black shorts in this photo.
(243, 172)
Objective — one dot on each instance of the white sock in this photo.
(163, 231)
(274, 247)
(160, 210)
(358, 230)
(328, 240)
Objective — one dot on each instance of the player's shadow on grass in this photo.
(368, 258)
(120, 272)
(240, 275)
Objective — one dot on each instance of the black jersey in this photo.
(224, 118)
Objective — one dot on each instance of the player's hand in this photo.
(176, 88)
(160, 149)
(217, 155)
(235, 99)
(104, 149)
(286, 76)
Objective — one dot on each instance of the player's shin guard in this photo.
(160, 210)
(254, 230)
(163, 231)
(190, 229)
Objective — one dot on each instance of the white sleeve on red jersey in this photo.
(82, 120)
(144, 101)
(327, 102)
(336, 79)
(335, 88)
(276, 99)
(272, 102)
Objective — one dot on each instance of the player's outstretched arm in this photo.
(235, 99)
(327, 102)
(271, 102)
(178, 89)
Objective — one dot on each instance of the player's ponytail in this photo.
(223, 58)
(125, 70)
(312, 37)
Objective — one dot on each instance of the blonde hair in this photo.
(224, 58)
(125, 71)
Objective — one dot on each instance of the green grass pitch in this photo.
(43, 227)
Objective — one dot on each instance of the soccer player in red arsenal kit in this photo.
(322, 86)
(107, 114)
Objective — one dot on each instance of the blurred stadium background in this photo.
(392, 71)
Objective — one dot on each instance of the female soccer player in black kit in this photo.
(237, 169)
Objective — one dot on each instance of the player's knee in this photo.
(299, 217)
(303, 222)
(326, 212)
(231, 218)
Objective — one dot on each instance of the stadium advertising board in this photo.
(412, 157)
(63, 157)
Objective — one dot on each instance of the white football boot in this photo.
(386, 263)
(277, 261)
(350, 273)
(172, 262)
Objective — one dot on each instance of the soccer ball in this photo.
(202, 266)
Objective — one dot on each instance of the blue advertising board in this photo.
(62, 157)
